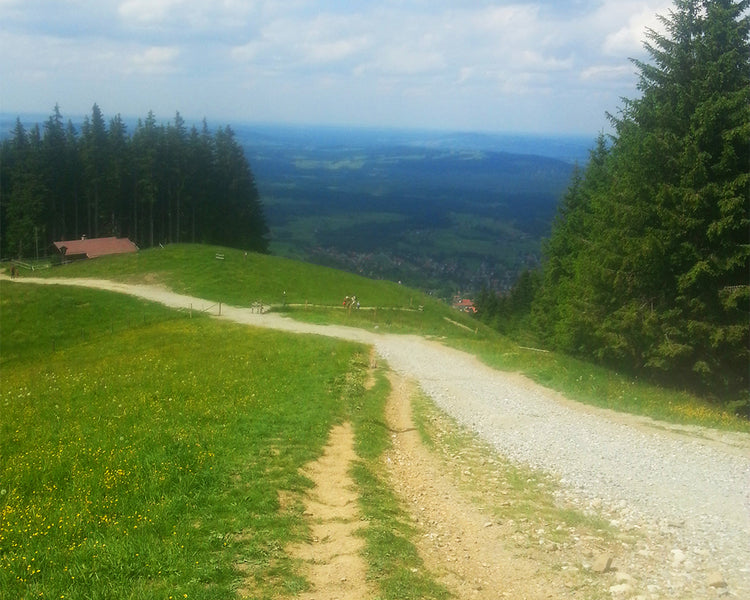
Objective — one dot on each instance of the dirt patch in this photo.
(335, 567)
(473, 553)
(458, 545)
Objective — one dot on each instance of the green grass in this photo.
(147, 462)
(315, 294)
(36, 323)
(142, 452)
(441, 323)
(144, 457)
(602, 387)
(241, 280)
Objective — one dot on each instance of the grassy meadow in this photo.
(306, 292)
(134, 460)
(313, 293)
(241, 279)
(143, 453)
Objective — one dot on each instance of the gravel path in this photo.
(688, 487)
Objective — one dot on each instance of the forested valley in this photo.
(647, 268)
(162, 184)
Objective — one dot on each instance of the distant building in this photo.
(464, 304)
(91, 248)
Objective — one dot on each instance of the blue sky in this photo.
(544, 66)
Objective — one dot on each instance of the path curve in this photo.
(691, 484)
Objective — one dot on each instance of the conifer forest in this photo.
(647, 266)
(162, 184)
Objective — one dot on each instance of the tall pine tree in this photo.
(162, 184)
(648, 264)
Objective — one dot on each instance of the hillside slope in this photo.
(643, 476)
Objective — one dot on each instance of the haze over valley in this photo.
(445, 212)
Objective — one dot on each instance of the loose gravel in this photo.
(688, 487)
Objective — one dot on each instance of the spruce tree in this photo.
(160, 185)
(661, 282)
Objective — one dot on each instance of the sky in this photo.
(525, 66)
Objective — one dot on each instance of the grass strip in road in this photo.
(390, 552)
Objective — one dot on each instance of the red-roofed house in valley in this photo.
(91, 248)
(464, 305)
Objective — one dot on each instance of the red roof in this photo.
(96, 246)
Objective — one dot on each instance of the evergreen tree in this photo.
(243, 224)
(27, 195)
(95, 157)
(565, 308)
(118, 183)
(160, 185)
(73, 168)
(54, 155)
(145, 148)
(647, 266)
(199, 166)
(176, 175)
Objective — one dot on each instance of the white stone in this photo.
(716, 580)
(623, 577)
(678, 556)
(621, 589)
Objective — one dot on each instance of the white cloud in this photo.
(473, 64)
(156, 60)
(505, 20)
(627, 23)
(199, 20)
(147, 11)
(246, 52)
(403, 60)
(607, 73)
(324, 39)
(333, 50)
(531, 60)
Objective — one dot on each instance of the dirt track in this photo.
(685, 490)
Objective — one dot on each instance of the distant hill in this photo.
(568, 148)
(442, 212)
